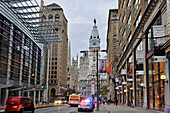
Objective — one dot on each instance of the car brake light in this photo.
(20, 106)
(5, 106)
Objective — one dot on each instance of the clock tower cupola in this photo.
(94, 45)
(94, 40)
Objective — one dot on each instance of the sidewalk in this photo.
(123, 109)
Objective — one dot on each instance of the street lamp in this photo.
(163, 77)
(142, 86)
(96, 75)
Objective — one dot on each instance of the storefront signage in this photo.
(123, 72)
(123, 82)
(139, 56)
(139, 72)
(159, 31)
(92, 87)
(129, 80)
(159, 58)
(117, 88)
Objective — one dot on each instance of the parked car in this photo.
(86, 105)
(19, 104)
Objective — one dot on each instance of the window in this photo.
(43, 18)
(51, 81)
(57, 18)
(50, 18)
(55, 54)
(114, 37)
(55, 49)
(114, 17)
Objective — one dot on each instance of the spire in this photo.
(42, 3)
(94, 21)
(94, 33)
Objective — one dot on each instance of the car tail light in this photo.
(5, 106)
(20, 106)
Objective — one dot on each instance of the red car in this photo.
(19, 104)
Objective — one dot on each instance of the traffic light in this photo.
(100, 95)
(42, 86)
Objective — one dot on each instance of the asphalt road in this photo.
(60, 109)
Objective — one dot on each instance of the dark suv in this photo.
(19, 104)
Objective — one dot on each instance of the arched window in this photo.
(50, 18)
(57, 18)
(43, 18)
(52, 92)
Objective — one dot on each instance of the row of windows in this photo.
(50, 18)
(53, 81)
(53, 58)
(53, 63)
(53, 76)
(53, 67)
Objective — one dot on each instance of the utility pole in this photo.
(97, 82)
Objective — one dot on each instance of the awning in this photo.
(5, 85)
(15, 89)
(33, 89)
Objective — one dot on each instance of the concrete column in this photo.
(134, 78)
(34, 97)
(21, 60)
(28, 94)
(145, 73)
(39, 92)
(9, 62)
(19, 93)
(6, 95)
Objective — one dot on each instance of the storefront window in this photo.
(129, 81)
(123, 80)
(139, 75)
(156, 90)
(155, 64)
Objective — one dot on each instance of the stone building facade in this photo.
(58, 48)
(112, 37)
(143, 60)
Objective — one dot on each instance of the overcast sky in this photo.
(80, 15)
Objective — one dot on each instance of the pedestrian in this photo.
(116, 101)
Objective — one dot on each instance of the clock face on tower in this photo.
(94, 43)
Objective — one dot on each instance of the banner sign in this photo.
(102, 65)
(159, 31)
(92, 87)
